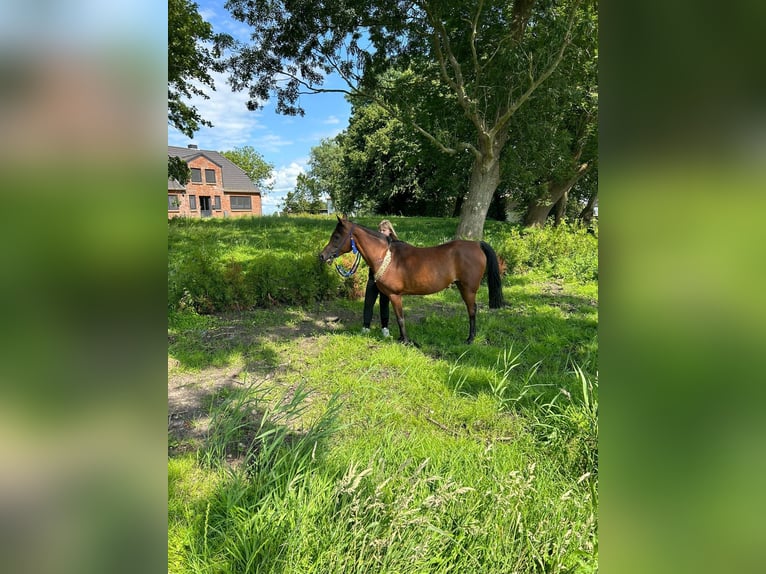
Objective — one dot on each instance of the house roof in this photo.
(175, 186)
(233, 177)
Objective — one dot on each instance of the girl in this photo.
(371, 293)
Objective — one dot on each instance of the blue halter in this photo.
(354, 267)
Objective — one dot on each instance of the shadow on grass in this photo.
(190, 408)
(226, 419)
(212, 357)
(199, 341)
(547, 332)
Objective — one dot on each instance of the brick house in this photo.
(217, 187)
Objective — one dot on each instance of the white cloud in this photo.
(269, 143)
(233, 123)
(285, 176)
(332, 120)
(284, 180)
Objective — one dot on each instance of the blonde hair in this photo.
(384, 226)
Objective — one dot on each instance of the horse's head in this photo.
(340, 241)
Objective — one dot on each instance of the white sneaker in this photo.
(385, 332)
(365, 330)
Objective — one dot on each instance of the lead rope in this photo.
(354, 267)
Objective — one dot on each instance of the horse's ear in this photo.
(338, 216)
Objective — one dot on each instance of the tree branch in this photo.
(406, 118)
(440, 37)
(474, 56)
(315, 90)
(505, 118)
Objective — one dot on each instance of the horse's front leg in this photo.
(396, 301)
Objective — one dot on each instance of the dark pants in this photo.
(370, 294)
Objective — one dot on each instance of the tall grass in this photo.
(281, 506)
(262, 453)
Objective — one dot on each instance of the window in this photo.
(193, 202)
(241, 203)
(196, 174)
(209, 176)
(173, 203)
(217, 202)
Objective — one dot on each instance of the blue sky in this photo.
(283, 141)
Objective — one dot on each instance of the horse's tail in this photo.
(494, 280)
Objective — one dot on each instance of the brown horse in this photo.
(403, 269)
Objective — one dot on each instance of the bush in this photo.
(240, 264)
(195, 279)
(566, 252)
(209, 286)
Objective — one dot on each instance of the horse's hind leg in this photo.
(471, 323)
(469, 296)
(396, 301)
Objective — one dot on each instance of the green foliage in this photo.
(178, 170)
(270, 497)
(246, 424)
(325, 175)
(567, 423)
(190, 60)
(556, 131)
(244, 263)
(205, 276)
(306, 198)
(460, 72)
(390, 169)
(567, 252)
(230, 528)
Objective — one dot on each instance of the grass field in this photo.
(298, 444)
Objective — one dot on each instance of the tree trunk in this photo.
(485, 177)
(559, 209)
(586, 215)
(538, 211)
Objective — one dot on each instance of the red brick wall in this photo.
(210, 190)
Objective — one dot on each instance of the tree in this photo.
(252, 163)
(178, 169)
(556, 156)
(190, 61)
(390, 169)
(321, 181)
(553, 153)
(483, 58)
(306, 198)
(325, 170)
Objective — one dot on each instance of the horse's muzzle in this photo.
(326, 257)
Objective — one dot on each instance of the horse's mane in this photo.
(374, 232)
(378, 234)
